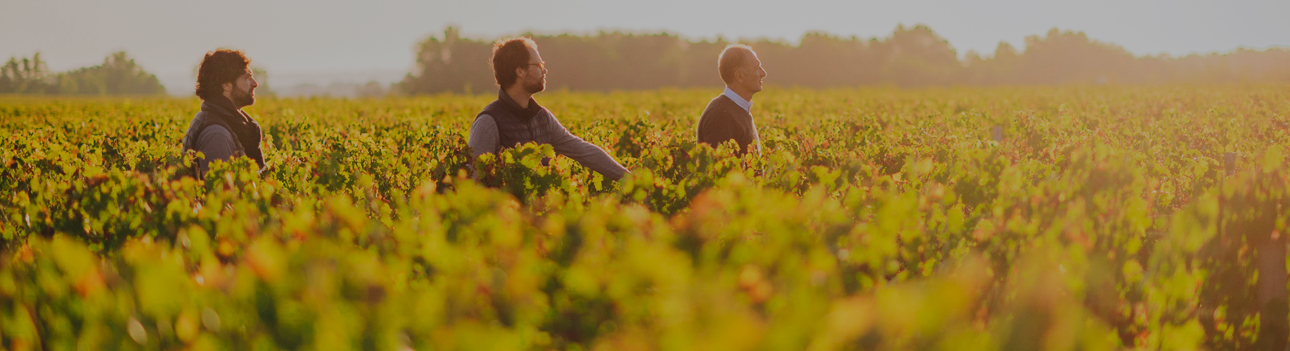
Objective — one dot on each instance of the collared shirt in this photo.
(739, 100)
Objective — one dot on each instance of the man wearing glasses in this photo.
(515, 118)
(729, 116)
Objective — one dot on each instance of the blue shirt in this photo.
(739, 100)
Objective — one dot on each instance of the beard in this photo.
(243, 98)
(536, 86)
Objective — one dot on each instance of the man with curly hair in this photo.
(222, 131)
(516, 118)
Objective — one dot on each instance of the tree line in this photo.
(118, 74)
(910, 57)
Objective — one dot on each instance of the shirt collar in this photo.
(739, 100)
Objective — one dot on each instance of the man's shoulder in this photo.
(545, 113)
(719, 106)
(198, 120)
(483, 126)
(214, 133)
(492, 108)
(201, 131)
(721, 100)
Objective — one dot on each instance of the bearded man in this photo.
(222, 131)
(516, 118)
(729, 115)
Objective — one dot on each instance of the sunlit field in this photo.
(952, 219)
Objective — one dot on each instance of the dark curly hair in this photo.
(219, 67)
(509, 54)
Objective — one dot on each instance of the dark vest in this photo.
(246, 132)
(517, 125)
(724, 120)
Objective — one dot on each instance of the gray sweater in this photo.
(216, 143)
(484, 139)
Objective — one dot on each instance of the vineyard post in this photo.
(997, 133)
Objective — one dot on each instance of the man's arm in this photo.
(587, 154)
(483, 136)
(215, 143)
(483, 140)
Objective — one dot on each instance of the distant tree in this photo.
(450, 64)
(262, 79)
(1064, 57)
(117, 75)
(614, 60)
(1241, 65)
(8, 77)
(824, 60)
(910, 57)
(994, 70)
(698, 63)
(370, 90)
(26, 76)
(919, 57)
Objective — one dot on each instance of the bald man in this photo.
(729, 116)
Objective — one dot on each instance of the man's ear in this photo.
(521, 71)
(228, 87)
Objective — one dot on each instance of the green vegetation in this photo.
(117, 75)
(876, 219)
(910, 57)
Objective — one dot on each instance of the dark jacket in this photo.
(724, 120)
(221, 132)
(517, 125)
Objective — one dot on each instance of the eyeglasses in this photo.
(541, 65)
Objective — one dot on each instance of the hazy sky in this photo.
(168, 37)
